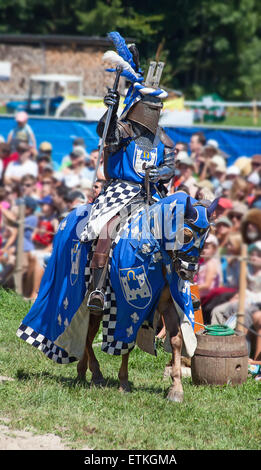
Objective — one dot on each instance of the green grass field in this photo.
(44, 397)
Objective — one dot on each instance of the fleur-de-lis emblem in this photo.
(65, 303)
(59, 318)
(191, 315)
(135, 317)
(66, 323)
(129, 331)
(63, 225)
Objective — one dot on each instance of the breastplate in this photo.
(145, 139)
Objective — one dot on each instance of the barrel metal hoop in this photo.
(206, 352)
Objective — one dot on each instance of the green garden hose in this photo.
(219, 330)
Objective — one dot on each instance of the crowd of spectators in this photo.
(27, 175)
(202, 169)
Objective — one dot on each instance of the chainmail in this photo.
(144, 138)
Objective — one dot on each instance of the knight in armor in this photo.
(135, 145)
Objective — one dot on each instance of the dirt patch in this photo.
(11, 439)
(26, 440)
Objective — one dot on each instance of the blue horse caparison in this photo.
(146, 260)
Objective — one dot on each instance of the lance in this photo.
(107, 122)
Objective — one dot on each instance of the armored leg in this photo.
(99, 266)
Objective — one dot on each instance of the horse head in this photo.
(191, 232)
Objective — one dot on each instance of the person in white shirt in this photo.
(23, 166)
(185, 165)
(22, 125)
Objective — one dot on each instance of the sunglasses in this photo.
(237, 216)
(27, 185)
(47, 182)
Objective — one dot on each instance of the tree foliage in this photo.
(208, 46)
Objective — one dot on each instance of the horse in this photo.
(152, 262)
(176, 256)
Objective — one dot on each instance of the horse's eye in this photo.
(188, 235)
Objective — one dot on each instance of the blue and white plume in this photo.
(130, 70)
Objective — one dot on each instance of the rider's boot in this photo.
(97, 296)
(99, 267)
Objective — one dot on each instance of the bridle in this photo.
(187, 265)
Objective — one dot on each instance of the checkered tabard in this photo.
(116, 196)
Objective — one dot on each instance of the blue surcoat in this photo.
(129, 162)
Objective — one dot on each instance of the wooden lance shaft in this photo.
(242, 289)
(107, 122)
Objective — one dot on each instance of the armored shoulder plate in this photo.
(166, 140)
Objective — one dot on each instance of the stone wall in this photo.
(27, 60)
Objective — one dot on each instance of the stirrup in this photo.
(195, 302)
(96, 304)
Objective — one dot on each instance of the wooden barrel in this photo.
(220, 360)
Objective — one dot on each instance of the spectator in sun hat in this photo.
(205, 190)
(77, 142)
(21, 120)
(256, 162)
(212, 143)
(223, 191)
(244, 164)
(75, 172)
(218, 160)
(223, 220)
(232, 172)
(224, 204)
(239, 189)
(218, 176)
(223, 227)
(236, 213)
(186, 168)
(22, 166)
(251, 226)
(213, 169)
(205, 184)
(181, 155)
(202, 165)
(45, 151)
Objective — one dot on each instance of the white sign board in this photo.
(5, 70)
